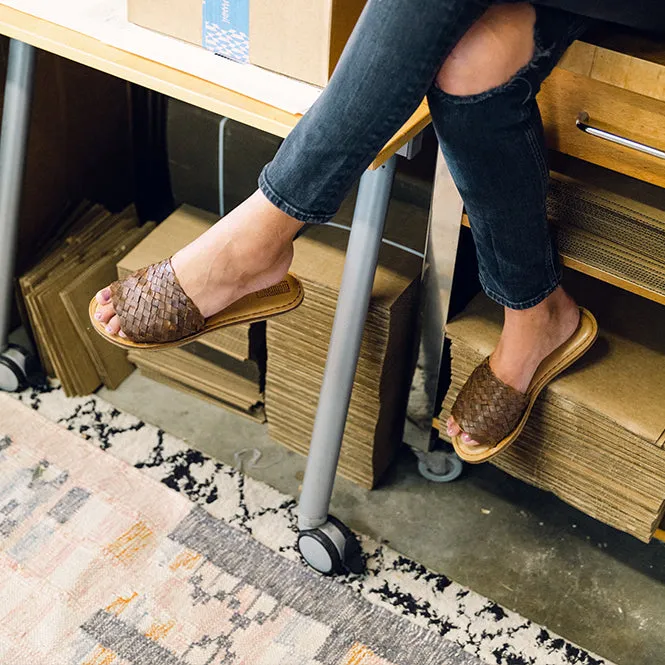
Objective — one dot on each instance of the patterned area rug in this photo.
(132, 549)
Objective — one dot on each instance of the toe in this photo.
(113, 326)
(452, 427)
(104, 313)
(104, 296)
(468, 440)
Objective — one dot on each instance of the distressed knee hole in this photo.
(492, 51)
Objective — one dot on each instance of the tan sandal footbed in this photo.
(259, 306)
(559, 360)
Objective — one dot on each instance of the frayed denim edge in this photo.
(278, 201)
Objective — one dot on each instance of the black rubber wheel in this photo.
(320, 552)
(353, 554)
(332, 549)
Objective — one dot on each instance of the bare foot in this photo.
(528, 337)
(250, 249)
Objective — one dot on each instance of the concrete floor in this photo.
(517, 545)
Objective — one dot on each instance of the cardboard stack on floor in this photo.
(596, 437)
(57, 291)
(226, 366)
(298, 345)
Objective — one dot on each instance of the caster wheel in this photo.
(331, 549)
(18, 369)
(440, 467)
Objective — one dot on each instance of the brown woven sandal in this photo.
(156, 313)
(494, 413)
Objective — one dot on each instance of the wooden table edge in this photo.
(185, 87)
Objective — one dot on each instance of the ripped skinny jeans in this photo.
(493, 142)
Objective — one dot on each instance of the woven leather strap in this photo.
(487, 408)
(152, 306)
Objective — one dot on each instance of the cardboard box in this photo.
(221, 26)
(303, 39)
(299, 38)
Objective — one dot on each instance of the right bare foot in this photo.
(528, 337)
(248, 250)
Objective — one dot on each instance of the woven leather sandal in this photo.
(156, 313)
(494, 413)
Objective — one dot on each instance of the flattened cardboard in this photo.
(256, 414)
(298, 344)
(200, 374)
(109, 360)
(90, 237)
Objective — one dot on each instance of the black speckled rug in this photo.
(397, 613)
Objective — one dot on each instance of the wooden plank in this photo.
(659, 534)
(631, 64)
(179, 85)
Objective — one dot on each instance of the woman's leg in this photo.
(489, 127)
(385, 72)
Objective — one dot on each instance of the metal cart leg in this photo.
(327, 545)
(14, 360)
(438, 270)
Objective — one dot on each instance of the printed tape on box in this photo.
(226, 28)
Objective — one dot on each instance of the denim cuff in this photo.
(302, 216)
(523, 304)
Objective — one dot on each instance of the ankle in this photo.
(556, 307)
(257, 250)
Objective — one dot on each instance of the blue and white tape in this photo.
(226, 28)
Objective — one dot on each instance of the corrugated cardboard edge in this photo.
(255, 414)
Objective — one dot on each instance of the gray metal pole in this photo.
(354, 295)
(13, 145)
(438, 271)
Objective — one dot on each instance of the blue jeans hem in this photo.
(291, 210)
(522, 304)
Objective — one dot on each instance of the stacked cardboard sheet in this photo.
(298, 346)
(596, 435)
(57, 291)
(621, 240)
(200, 370)
(226, 366)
